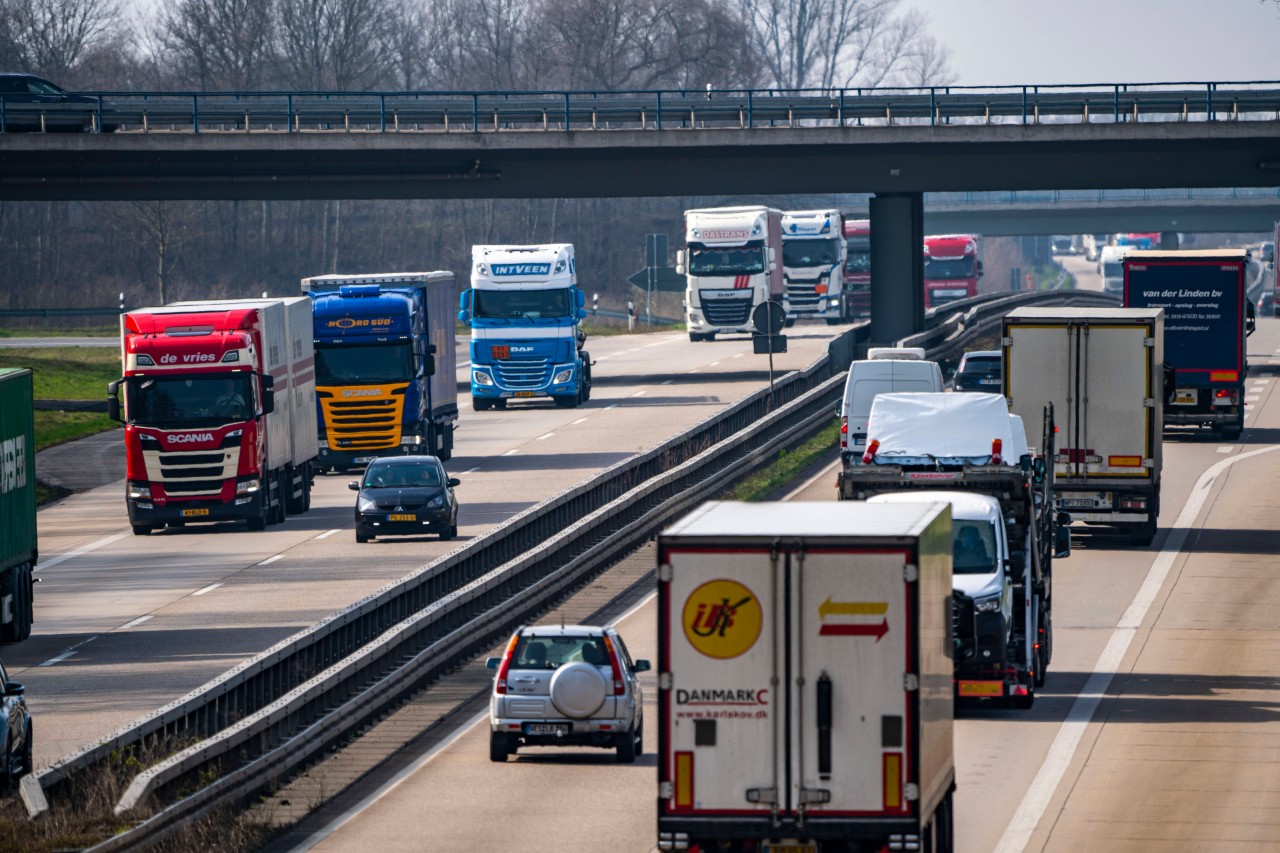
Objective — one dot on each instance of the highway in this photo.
(126, 624)
(1156, 730)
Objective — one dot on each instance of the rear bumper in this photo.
(428, 521)
(148, 512)
(356, 458)
(601, 732)
(708, 832)
(1196, 418)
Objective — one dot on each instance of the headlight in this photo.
(562, 376)
(479, 377)
(436, 502)
(990, 604)
(409, 440)
(246, 487)
(139, 490)
(366, 505)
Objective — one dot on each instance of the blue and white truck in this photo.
(813, 261)
(524, 309)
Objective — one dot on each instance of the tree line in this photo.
(81, 253)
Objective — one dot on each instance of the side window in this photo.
(626, 655)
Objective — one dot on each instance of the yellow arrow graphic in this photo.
(852, 608)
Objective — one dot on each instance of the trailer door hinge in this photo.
(664, 681)
(910, 682)
(664, 572)
(1006, 342)
(911, 792)
(1148, 463)
(666, 790)
(910, 573)
(1148, 342)
(1149, 403)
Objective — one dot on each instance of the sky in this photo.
(999, 42)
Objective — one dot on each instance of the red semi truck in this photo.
(951, 268)
(857, 267)
(219, 411)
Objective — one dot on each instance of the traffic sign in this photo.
(768, 318)
(664, 279)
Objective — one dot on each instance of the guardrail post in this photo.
(840, 109)
(288, 119)
(660, 112)
(382, 113)
(566, 111)
(933, 106)
(99, 128)
(195, 113)
(1208, 104)
(1116, 118)
(1024, 104)
(750, 106)
(475, 113)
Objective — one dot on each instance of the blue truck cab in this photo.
(524, 309)
(386, 365)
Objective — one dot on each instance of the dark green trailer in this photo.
(17, 505)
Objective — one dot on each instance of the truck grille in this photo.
(727, 312)
(369, 423)
(523, 374)
(801, 295)
(195, 472)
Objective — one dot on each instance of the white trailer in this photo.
(805, 678)
(1102, 369)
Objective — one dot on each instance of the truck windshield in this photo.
(973, 547)
(949, 269)
(859, 255)
(1113, 269)
(190, 401)
(522, 304)
(341, 364)
(810, 253)
(738, 261)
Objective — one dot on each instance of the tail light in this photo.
(844, 433)
(870, 455)
(997, 445)
(619, 686)
(500, 686)
(1133, 503)
(1225, 397)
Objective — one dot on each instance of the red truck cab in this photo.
(857, 267)
(951, 268)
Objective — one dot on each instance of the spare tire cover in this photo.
(577, 690)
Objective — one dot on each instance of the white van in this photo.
(1111, 268)
(881, 374)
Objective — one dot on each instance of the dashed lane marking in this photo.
(210, 588)
(134, 623)
(271, 560)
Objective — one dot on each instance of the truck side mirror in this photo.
(429, 364)
(773, 259)
(582, 313)
(680, 256)
(113, 400)
(464, 307)
(580, 298)
(1017, 563)
(979, 269)
(268, 395)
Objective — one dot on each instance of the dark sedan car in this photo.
(405, 496)
(30, 103)
(17, 753)
(978, 371)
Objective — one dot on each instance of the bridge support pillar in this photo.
(897, 263)
(1169, 241)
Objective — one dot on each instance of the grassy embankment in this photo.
(769, 481)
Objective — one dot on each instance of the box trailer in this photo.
(805, 678)
(18, 545)
(1102, 369)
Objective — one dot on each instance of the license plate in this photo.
(981, 688)
(1077, 503)
(524, 393)
(402, 516)
(502, 352)
(1185, 398)
(363, 460)
(194, 513)
(546, 729)
(790, 847)
(988, 381)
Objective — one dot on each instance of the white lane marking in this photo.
(578, 421)
(1226, 448)
(512, 452)
(134, 623)
(614, 406)
(740, 355)
(1260, 380)
(827, 471)
(59, 659)
(668, 382)
(695, 370)
(714, 364)
(1036, 801)
(329, 533)
(271, 560)
(85, 549)
(544, 437)
(426, 758)
(210, 588)
(638, 393)
(472, 470)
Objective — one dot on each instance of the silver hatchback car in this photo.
(572, 685)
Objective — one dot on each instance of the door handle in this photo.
(825, 715)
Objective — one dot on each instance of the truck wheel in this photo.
(498, 749)
(500, 404)
(694, 338)
(1143, 534)
(834, 321)
(277, 512)
(1023, 703)
(944, 827)
(11, 585)
(626, 748)
(141, 529)
(259, 521)
(567, 402)
(1231, 433)
(480, 405)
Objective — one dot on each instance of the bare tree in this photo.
(218, 44)
(827, 43)
(159, 230)
(51, 37)
(334, 44)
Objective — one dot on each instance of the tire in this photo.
(23, 617)
(695, 338)
(1023, 703)
(1044, 653)
(1231, 433)
(259, 521)
(450, 533)
(7, 777)
(640, 739)
(834, 321)
(567, 402)
(498, 749)
(142, 529)
(480, 405)
(787, 324)
(9, 633)
(626, 746)
(1142, 535)
(28, 753)
(500, 404)
(944, 826)
(361, 538)
(278, 512)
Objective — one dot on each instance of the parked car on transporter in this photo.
(405, 496)
(572, 685)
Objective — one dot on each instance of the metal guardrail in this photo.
(666, 109)
(256, 684)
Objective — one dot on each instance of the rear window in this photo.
(981, 366)
(550, 652)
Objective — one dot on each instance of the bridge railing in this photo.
(658, 109)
